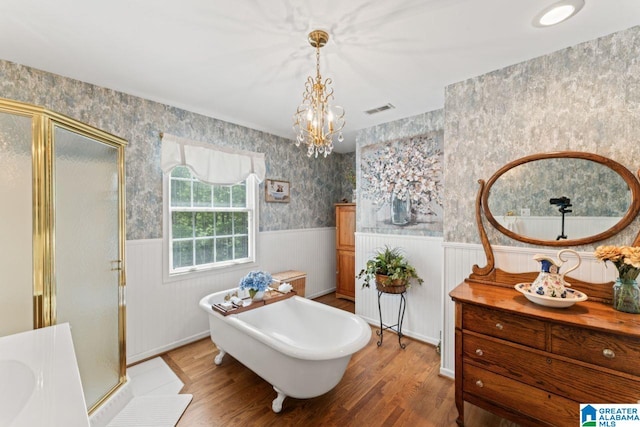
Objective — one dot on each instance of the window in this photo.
(209, 225)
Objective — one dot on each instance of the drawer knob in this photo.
(479, 352)
(608, 353)
(499, 326)
(479, 383)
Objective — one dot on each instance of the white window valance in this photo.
(209, 163)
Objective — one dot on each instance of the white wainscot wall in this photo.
(459, 259)
(162, 316)
(423, 316)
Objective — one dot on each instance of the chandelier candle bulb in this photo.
(316, 121)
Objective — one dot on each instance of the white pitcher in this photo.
(550, 282)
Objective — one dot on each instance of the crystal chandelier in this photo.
(316, 121)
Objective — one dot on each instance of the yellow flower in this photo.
(625, 258)
(609, 253)
(632, 257)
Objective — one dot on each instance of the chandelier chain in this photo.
(316, 121)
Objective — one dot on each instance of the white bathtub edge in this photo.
(243, 327)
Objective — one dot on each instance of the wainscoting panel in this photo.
(459, 259)
(310, 250)
(423, 316)
(164, 315)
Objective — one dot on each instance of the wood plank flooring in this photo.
(382, 386)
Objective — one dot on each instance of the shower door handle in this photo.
(116, 265)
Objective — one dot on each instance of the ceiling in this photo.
(246, 61)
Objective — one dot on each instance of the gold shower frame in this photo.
(43, 122)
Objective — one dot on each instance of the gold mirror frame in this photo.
(623, 172)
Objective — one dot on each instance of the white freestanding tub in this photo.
(299, 346)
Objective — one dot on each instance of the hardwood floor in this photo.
(382, 386)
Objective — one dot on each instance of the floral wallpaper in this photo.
(404, 157)
(583, 98)
(316, 184)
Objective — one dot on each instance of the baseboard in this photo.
(135, 358)
(447, 373)
(406, 333)
(321, 293)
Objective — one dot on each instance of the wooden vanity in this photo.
(533, 364)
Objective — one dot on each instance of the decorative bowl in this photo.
(278, 195)
(573, 296)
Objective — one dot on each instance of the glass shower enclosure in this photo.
(62, 255)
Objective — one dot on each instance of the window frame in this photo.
(171, 274)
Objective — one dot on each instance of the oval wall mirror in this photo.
(561, 198)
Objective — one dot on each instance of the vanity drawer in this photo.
(542, 370)
(533, 402)
(510, 327)
(617, 352)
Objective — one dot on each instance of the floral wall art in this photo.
(400, 185)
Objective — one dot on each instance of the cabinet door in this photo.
(346, 275)
(345, 227)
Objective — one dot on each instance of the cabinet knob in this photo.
(499, 326)
(479, 383)
(608, 353)
(479, 352)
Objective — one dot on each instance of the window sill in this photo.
(196, 274)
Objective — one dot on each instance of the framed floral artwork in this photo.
(402, 185)
(277, 191)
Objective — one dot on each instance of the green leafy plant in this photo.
(389, 262)
(350, 176)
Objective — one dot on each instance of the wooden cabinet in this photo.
(297, 279)
(535, 365)
(345, 250)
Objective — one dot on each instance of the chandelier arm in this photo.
(316, 121)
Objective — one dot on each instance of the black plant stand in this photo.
(397, 328)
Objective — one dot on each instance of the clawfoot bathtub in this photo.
(299, 346)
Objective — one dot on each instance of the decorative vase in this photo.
(400, 210)
(394, 287)
(256, 295)
(626, 296)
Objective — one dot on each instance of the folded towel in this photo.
(285, 288)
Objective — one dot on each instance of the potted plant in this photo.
(390, 270)
(350, 176)
(256, 282)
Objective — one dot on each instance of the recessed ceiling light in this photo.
(558, 12)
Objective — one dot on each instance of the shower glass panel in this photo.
(86, 256)
(16, 253)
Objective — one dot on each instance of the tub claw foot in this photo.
(219, 356)
(277, 402)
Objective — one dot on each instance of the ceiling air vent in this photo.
(380, 109)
